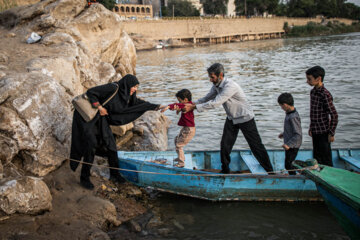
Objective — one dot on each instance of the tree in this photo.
(256, 7)
(302, 8)
(328, 8)
(215, 6)
(282, 9)
(109, 4)
(182, 8)
(350, 10)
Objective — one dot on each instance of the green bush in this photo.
(109, 4)
(314, 29)
(182, 8)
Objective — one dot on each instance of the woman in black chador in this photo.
(95, 137)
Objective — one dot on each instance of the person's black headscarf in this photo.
(125, 84)
(123, 108)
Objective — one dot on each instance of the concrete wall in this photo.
(212, 28)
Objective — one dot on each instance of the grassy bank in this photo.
(316, 29)
(6, 4)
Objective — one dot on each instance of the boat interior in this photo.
(241, 160)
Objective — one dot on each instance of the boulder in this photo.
(154, 126)
(3, 68)
(33, 122)
(121, 130)
(102, 211)
(2, 74)
(3, 58)
(120, 141)
(28, 195)
(1, 171)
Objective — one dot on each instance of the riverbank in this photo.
(147, 34)
(320, 29)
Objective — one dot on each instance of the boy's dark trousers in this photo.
(322, 149)
(252, 137)
(290, 156)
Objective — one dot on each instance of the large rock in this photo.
(35, 121)
(121, 130)
(81, 47)
(3, 58)
(28, 195)
(1, 171)
(154, 126)
(101, 211)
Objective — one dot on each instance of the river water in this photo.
(264, 69)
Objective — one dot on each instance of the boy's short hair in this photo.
(316, 72)
(216, 68)
(184, 93)
(286, 98)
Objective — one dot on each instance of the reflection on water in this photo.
(264, 69)
(249, 220)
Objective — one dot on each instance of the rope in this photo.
(190, 174)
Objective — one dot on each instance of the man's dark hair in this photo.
(184, 93)
(316, 72)
(286, 98)
(216, 68)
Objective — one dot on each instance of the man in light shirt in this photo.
(240, 116)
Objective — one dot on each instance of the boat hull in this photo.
(216, 187)
(347, 216)
(140, 169)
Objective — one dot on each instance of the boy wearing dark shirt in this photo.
(323, 116)
(187, 122)
(292, 130)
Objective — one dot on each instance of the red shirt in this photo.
(186, 119)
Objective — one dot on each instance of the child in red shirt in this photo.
(187, 122)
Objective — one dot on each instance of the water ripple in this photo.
(264, 69)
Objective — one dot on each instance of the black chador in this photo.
(95, 137)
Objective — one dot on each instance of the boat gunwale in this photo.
(209, 174)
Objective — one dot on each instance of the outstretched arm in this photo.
(220, 98)
(211, 95)
(164, 108)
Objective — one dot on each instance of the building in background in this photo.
(139, 8)
(133, 11)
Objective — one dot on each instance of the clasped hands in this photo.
(187, 108)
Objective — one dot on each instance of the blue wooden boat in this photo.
(341, 192)
(249, 182)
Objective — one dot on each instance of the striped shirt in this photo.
(323, 115)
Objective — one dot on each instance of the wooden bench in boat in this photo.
(351, 160)
(252, 163)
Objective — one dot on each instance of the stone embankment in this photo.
(146, 34)
(81, 47)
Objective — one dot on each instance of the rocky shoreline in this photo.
(40, 197)
(110, 211)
